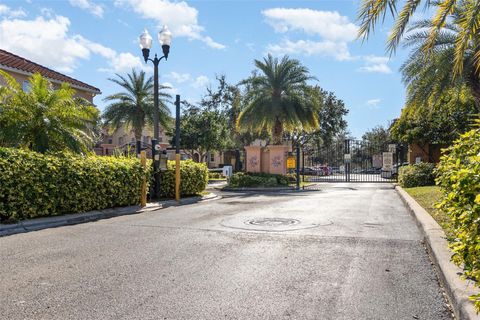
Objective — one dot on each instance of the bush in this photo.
(193, 179)
(417, 175)
(215, 175)
(459, 176)
(34, 185)
(239, 180)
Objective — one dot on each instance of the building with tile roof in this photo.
(21, 69)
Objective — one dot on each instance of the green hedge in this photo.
(240, 180)
(417, 175)
(193, 179)
(459, 177)
(34, 185)
(215, 175)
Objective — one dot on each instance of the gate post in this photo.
(347, 163)
(298, 168)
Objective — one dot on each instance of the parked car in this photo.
(324, 171)
(308, 171)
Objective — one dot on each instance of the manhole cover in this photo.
(272, 222)
(275, 224)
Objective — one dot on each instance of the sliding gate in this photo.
(351, 161)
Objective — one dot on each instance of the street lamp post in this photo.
(165, 39)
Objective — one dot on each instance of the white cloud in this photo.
(200, 82)
(332, 31)
(373, 102)
(375, 64)
(125, 62)
(93, 8)
(179, 77)
(306, 47)
(11, 13)
(329, 25)
(46, 41)
(181, 18)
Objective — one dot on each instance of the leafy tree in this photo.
(331, 115)
(203, 131)
(278, 100)
(464, 12)
(438, 121)
(432, 74)
(377, 138)
(44, 119)
(134, 107)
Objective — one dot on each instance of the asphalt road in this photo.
(344, 252)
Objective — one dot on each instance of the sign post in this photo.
(177, 148)
(291, 162)
(387, 161)
(298, 168)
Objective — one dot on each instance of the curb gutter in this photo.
(270, 189)
(457, 290)
(76, 218)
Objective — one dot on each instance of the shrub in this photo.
(239, 180)
(459, 176)
(193, 179)
(417, 175)
(215, 175)
(34, 185)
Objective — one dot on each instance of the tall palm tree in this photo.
(278, 99)
(468, 16)
(134, 107)
(428, 75)
(44, 119)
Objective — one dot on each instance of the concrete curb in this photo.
(76, 218)
(271, 189)
(457, 290)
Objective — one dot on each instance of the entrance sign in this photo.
(392, 148)
(347, 157)
(291, 163)
(387, 161)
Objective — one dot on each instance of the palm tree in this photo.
(467, 16)
(43, 119)
(134, 106)
(279, 100)
(431, 74)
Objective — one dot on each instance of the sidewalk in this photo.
(75, 218)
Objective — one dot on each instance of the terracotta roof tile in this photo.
(11, 60)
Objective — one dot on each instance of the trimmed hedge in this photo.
(35, 185)
(239, 180)
(417, 175)
(193, 179)
(459, 177)
(215, 175)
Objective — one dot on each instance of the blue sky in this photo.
(92, 40)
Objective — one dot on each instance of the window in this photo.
(25, 86)
(110, 141)
(212, 157)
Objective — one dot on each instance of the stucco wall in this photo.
(21, 78)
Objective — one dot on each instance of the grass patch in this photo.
(427, 197)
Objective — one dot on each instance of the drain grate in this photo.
(272, 222)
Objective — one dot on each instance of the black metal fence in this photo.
(352, 161)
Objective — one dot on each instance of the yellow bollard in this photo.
(143, 196)
(177, 177)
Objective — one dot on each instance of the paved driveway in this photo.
(345, 252)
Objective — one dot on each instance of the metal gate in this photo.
(351, 161)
